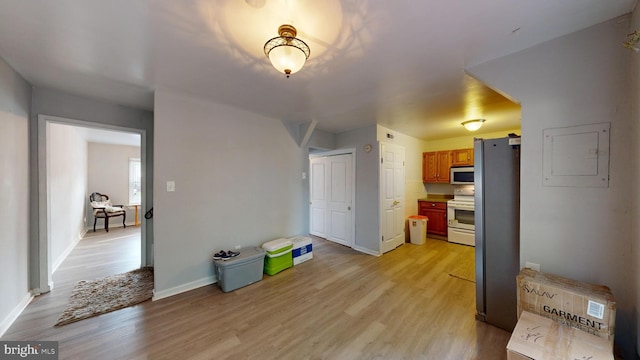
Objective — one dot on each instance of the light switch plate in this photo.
(171, 186)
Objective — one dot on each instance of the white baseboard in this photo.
(366, 251)
(183, 288)
(13, 315)
(67, 251)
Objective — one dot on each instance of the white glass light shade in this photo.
(473, 125)
(287, 59)
(286, 52)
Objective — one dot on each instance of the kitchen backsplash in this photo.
(440, 189)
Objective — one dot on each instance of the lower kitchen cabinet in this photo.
(437, 214)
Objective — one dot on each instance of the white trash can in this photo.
(418, 229)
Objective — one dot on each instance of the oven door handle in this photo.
(462, 231)
(462, 207)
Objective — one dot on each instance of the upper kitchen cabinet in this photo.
(435, 166)
(462, 157)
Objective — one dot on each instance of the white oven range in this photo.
(461, 216)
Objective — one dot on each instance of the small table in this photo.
(137, 207)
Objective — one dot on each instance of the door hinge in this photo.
(381, 160)
(382, 238)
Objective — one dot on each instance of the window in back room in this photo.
(135, 181)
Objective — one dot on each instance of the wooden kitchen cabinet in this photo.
(462, 157)
(429, 167)
(437, 214)
(435, 166)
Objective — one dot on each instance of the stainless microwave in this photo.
(462, 175)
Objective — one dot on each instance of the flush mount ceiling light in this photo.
(473, 125)
(286, 52)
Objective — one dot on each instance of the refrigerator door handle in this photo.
(478, 154)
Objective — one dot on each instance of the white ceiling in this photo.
(112, 137)
(396, 63)
(104, 136)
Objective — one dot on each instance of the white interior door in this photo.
(339, 194)
(392, 196)
(317, 197)
(331, 198)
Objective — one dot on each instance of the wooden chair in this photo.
(104, 209)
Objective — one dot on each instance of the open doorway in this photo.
(80, 158)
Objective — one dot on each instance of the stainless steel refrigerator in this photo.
(497, 231)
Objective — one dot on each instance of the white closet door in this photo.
(339, 206)
(318, 197)
(331, 196)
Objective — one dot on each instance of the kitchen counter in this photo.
(437, 198)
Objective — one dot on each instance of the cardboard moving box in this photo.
(590, 308)
(539, 338)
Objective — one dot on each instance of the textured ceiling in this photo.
(397, 63)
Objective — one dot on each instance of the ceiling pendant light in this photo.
(286, 52)
(473, 125)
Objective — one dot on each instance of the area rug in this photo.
(100, 296)
(466, 270)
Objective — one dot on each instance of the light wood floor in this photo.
(339, 305)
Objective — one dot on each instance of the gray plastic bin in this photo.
(242, 270)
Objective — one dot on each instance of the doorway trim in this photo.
(40, 258)
(352, 152)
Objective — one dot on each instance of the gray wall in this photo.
(15, 97)
(367, 186)
(367, 221)
(57, 103)
(322, 140)
(577, 232)
(67, 174)
(237, 182)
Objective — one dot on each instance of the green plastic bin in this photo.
(278, 255)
